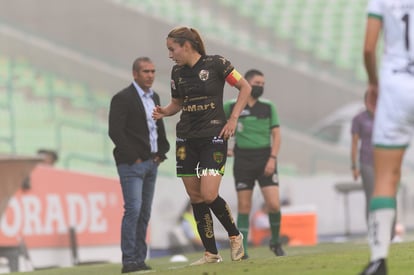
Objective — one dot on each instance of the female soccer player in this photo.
(197, 82)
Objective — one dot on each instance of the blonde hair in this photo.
(182, 34)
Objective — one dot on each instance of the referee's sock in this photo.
(243, 225)
(274, 220)
(204, 220)
(223, 213)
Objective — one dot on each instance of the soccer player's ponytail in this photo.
(199, 42)
(182, 34)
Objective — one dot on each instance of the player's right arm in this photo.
(372, 32)
(171, 109)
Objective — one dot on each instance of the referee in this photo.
(257, 143)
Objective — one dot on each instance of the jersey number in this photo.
(406, 19)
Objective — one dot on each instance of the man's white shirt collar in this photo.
(141, 91)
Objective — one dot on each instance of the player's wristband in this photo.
(272, 157)
(353, 167)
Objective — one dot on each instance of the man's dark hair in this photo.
(251, 73)
(51, 153)
(137, 63)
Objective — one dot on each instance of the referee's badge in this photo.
(203, 75)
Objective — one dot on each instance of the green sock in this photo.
(380, 223)
(243, 225)
(274, 219)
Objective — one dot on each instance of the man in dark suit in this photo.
(140, 145)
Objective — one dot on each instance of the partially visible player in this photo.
(394, 115)
(361, 148)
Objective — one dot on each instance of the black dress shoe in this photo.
(143, 266)
(132, 267)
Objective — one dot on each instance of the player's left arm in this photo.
(236, 80)
(275, 141)
(272, 161)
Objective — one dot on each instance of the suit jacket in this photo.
(128, 128)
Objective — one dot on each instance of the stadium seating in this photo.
(189, 13)
(329, 30)
(41, 109)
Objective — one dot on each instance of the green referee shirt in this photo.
(255, 124)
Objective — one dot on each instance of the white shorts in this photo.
(394, 116)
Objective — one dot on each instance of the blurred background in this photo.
(61, 62)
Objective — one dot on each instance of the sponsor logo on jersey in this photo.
(241, 185)
(215, 121)
(218, 157)
(203, 75)
(199, 107)
(181, 154)
(200, 172)
(217, 140)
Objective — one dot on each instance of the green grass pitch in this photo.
(322, 259)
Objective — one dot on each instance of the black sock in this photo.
(223, 213)
(205, 228)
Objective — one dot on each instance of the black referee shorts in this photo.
(249, 165)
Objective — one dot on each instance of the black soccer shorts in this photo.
(200, 156)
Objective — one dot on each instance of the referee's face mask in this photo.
(257, 91)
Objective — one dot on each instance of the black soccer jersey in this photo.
(201, 89)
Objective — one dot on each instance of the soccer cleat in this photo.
(208, 258)
(236, 247)
(277, 249)
(377, 267)
(245, 257)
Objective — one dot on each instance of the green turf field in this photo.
(328, 259)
